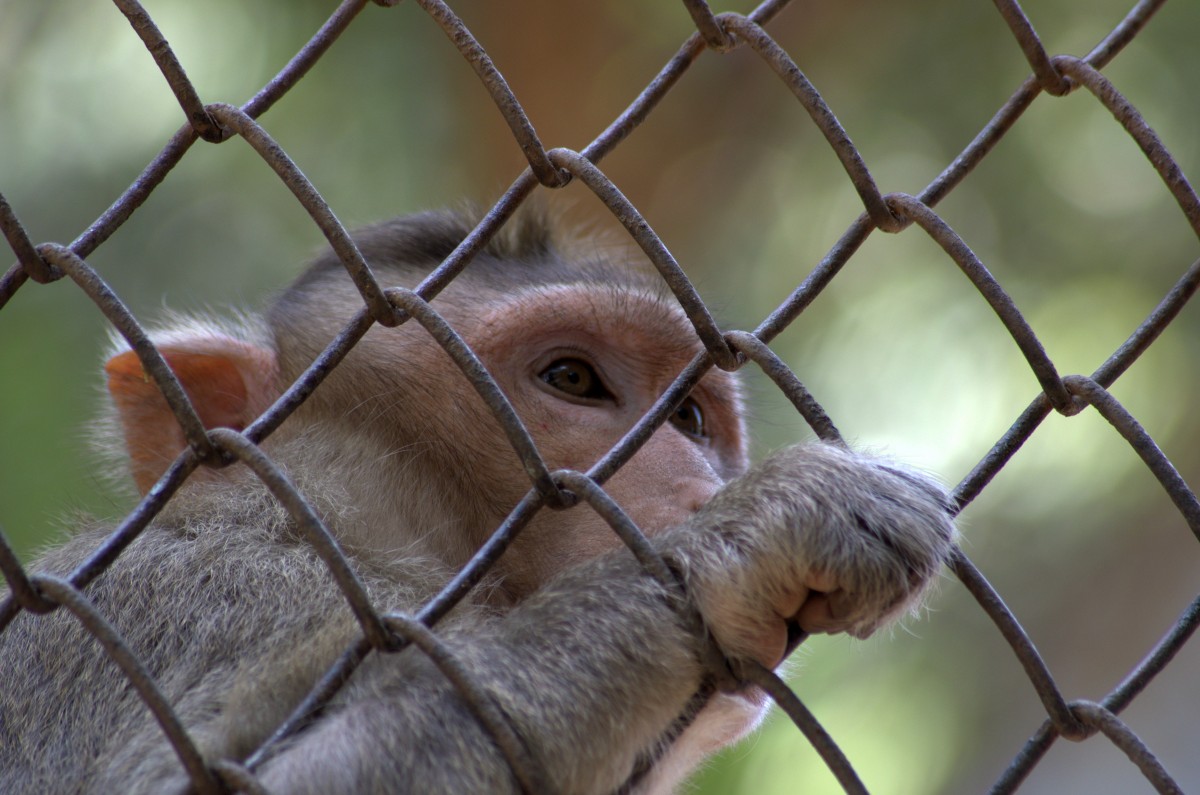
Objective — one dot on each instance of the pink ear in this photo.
(228, 381)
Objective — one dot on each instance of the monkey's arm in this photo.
(593, 669)
(590, 672)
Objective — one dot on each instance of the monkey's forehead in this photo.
(607, 307)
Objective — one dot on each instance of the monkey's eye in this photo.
(576, 378)
(689, 419)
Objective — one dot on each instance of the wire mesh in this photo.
(553, 168)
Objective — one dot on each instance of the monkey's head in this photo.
(581, 345)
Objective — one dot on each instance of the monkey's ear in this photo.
(230, 382)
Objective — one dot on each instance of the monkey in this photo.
(603, 671)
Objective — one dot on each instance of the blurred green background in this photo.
(903, 353)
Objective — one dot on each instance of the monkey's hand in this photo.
(597, 667)
(815, 537)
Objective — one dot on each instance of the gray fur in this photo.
(591, 669)
(236, 617)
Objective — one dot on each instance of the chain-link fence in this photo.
(1068, 395)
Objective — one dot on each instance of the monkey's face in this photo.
(580, 363)
(581, 366)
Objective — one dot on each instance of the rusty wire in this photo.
(218, 123)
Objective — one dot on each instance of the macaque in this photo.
(590, 658)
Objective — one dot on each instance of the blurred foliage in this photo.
(901, 351)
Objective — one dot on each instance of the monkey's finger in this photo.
(795, 636)
(816, 616)
(831, 612)
(773, 640)
(821, 581)
(787, 604)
